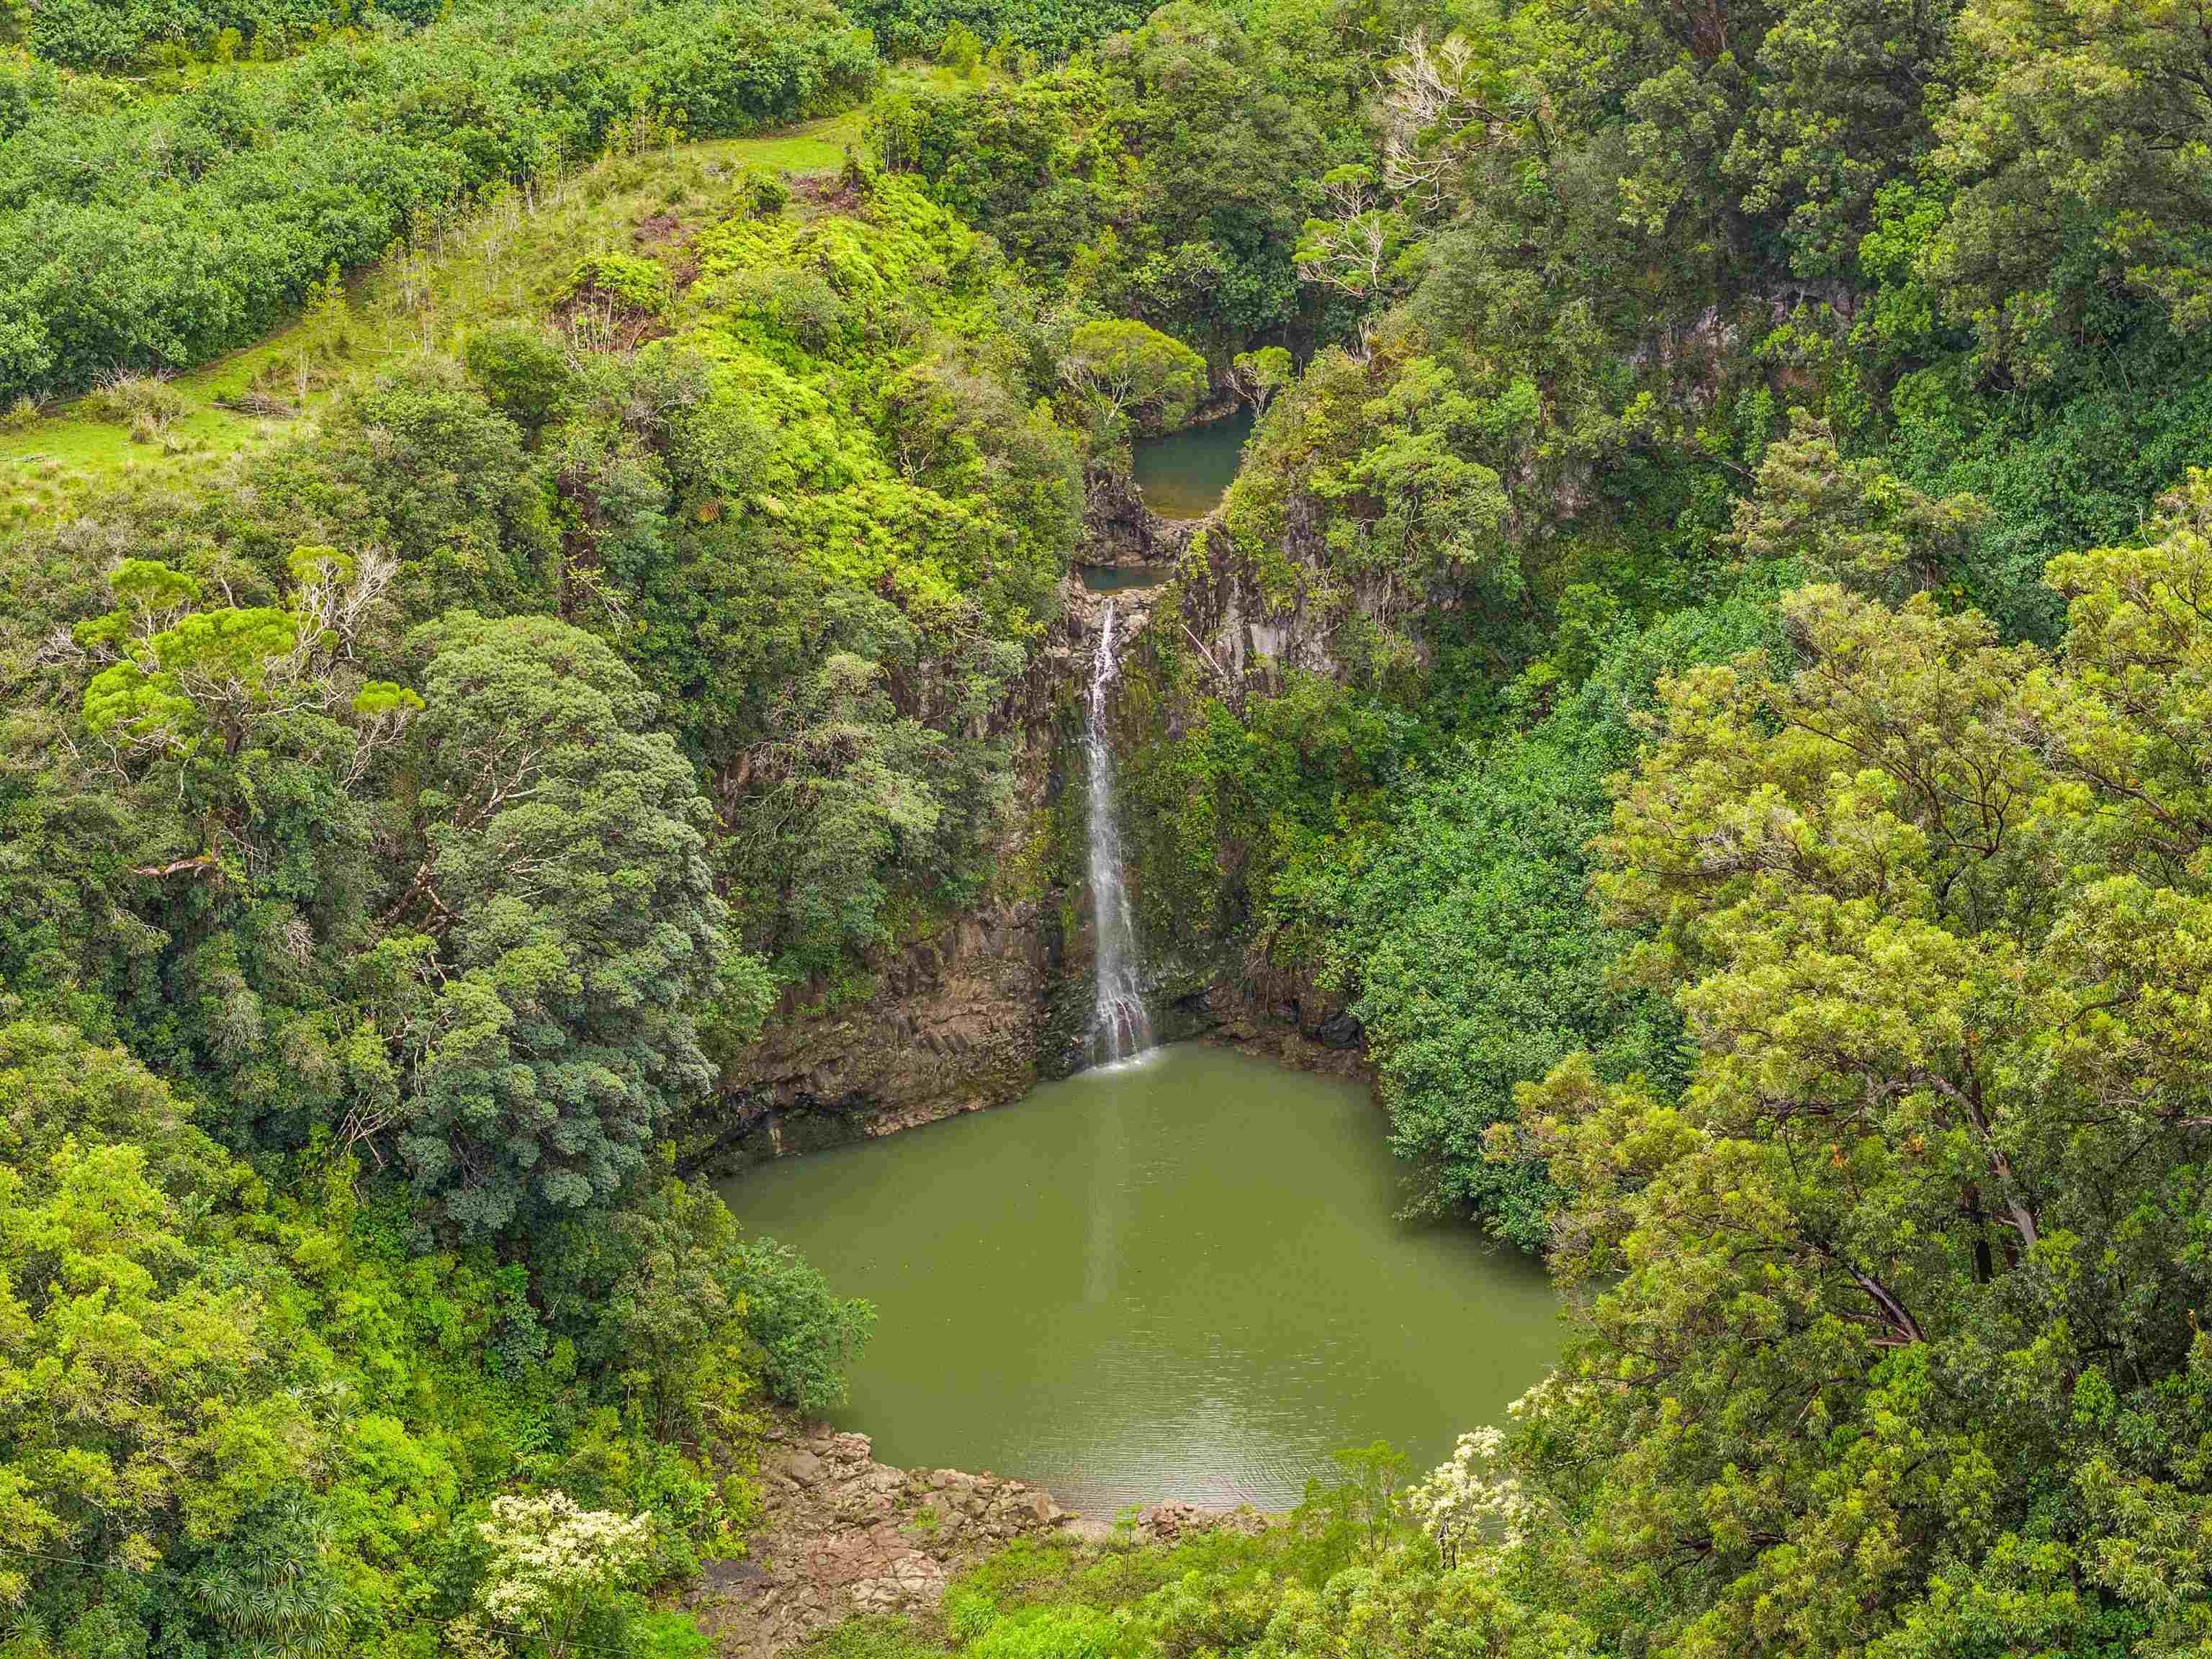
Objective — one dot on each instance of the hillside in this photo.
(578, 611)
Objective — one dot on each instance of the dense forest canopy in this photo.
(1725, 492)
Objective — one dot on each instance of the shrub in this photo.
(764, 195)
(962, 49)
(807, 1335)
(139, 402)
(625, 281)
(522, 371)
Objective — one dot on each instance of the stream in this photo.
(1180, 1277)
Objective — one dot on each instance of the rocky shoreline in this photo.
(845, 1535)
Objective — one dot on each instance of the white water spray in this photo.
(1119, 1025)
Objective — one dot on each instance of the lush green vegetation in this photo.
(404, 810)
(1787, 356)
(1164, 176)
(1882, 1342)
(1053, 29)
(86, 35)
(141, 233)
(240, 1411)
(1618, 378)
(1714, 694)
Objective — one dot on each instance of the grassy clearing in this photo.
(507, 258)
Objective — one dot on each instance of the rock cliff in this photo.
(1120, 533)
(955, 1018)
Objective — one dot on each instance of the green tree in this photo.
(1260, 374)
(247, 742)
(962, 49)
(809, 1334)
(656, 1294)
(2081, 159)
(1128, 372)
(1354, 247)
(1464, 934)
(183, 683)
(558, 863)
(144, 1375)
(1843, 109)
(553, 1564)
(522, 371)
(1848, 521)
(842, 781)
(1931, 908)
(417, 462)
(271, 1589)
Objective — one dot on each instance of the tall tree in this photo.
(1888, 1344)
(2081, 154)
(566, 931)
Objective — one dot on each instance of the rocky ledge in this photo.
(1119, 530)
(952, 1028)
(845, 1535)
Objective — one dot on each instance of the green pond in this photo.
(1177, 1278)
(1119, 579)
(1185, 474)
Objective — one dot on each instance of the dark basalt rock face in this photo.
(952, 1023)
(953, 1031)
(1120, 531)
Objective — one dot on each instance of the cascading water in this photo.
(1119, 1025)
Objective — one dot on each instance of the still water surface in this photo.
(1119, 579)
(1185, 474)
(1179, 1278)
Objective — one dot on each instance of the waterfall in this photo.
(1119, 1025)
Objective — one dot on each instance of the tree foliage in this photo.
(1053, 27)
(84, 34)
(251, 1422)
(1621, 689)
(1928, 902)
(570, 925)
(1134, 374)
(2079, 148)
(1163, 177)
(1464, 934)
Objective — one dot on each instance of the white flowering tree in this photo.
(552, 1562)
(1470, 1495)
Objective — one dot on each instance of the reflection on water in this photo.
(1178, 1278)
(1185, 474)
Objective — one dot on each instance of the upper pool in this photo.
(1121, 578)
(1180, 1278)
(1185, 474)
